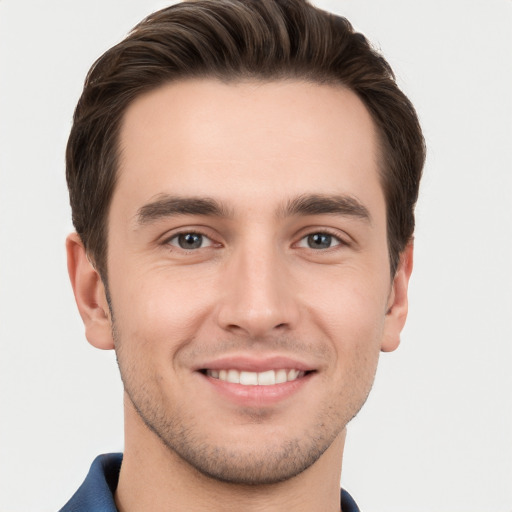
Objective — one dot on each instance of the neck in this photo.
(155, 478)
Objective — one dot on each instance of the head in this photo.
(242, 177)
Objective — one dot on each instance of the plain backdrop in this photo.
(436, 433)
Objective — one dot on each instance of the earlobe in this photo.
(398, 301)
(90, 295)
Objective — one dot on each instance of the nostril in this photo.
(234, 327)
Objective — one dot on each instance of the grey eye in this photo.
(319, 241)
(189, 241)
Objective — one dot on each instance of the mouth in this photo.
(252, 381)
(264, 378)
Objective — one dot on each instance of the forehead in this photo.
(246, 140)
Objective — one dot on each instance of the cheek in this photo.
(355, 325)
(350, 307)
(351, 314)
(156, 313)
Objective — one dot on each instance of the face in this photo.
(248, 272)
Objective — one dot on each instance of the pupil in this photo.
(319, 241)
(190, 241)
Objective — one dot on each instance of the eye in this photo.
(190, 241)
(319, 241)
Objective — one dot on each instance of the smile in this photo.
(266, 378)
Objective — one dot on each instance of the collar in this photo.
(96, 494)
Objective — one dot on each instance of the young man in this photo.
(242, 177)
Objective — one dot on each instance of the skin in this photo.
(256, 291)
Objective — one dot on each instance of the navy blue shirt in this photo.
(96, 494)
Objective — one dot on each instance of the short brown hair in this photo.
(237, 40)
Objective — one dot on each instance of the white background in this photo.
(436, 433)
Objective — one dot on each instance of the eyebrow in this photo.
(308, 204)
(170, 206)
(320, 204)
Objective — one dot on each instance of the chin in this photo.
(256, 454)
(271, 464)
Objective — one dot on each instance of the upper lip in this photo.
(256, 364)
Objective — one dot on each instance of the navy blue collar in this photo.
(96, 494)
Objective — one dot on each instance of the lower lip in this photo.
(254, 396)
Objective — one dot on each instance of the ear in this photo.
(90, 295)
(397, 305)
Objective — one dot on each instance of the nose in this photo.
(258, 294)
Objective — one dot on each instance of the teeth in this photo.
(233, 376)
(292, 374)
(281, 376)
(248, 378)
(268, 378)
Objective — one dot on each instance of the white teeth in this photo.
(281, 376)
(248, 378)
(233, 376)
(292, 374)
(267, 378)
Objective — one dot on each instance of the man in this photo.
(242, 177)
